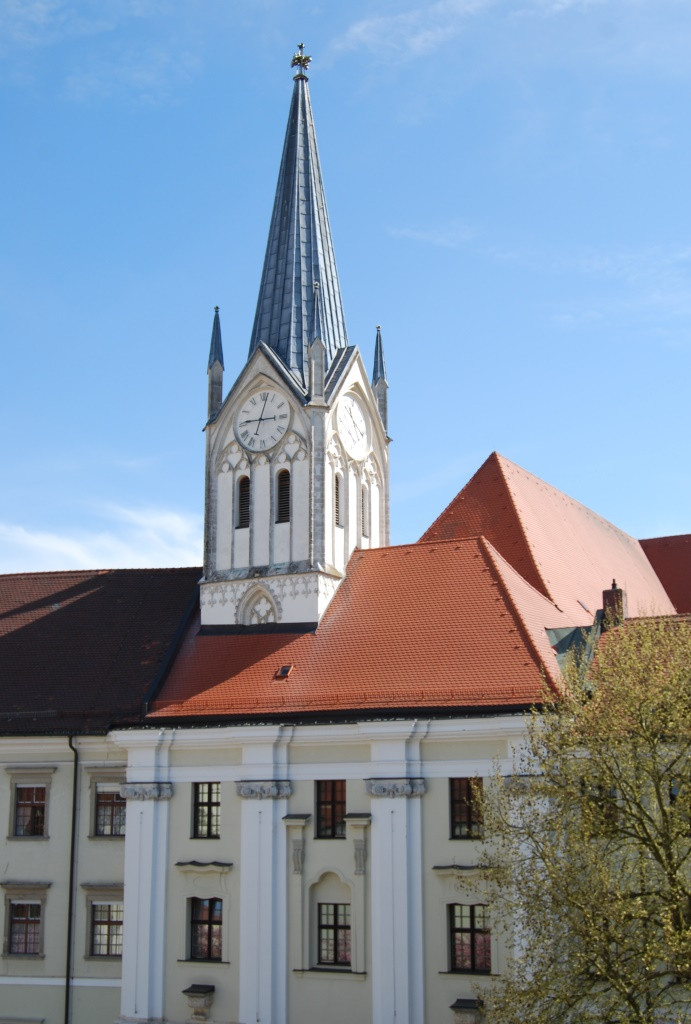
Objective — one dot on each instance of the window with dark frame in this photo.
(25, 929)
(283, 496)
(110, 812)
(333, 938)
(465, 808)
(206, 923)
(29, 810)
(207, 810)
(330, 800)
(106, 929)
(469, 938)
(243, 516)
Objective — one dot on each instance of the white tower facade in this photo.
(297, 471)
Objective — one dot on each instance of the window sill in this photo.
(329, 837)
(97, 835)
(322, 969)
(23, 956)
(196, 960)
(27, 839)
(101, 958)
(215, 838)
(461, 970)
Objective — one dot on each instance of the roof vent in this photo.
(283, 672)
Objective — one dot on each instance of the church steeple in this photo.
(215, 367)
(380, 384)
(299, 252)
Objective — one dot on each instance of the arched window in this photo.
(242, 520)
(364, 510)
(283, 497)
(338, 500)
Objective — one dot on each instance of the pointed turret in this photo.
(299, 251)
(215, 367)
(379, 383)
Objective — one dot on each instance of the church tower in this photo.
(297, 471)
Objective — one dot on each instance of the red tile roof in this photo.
(564, 550)
(670, 557)
(78, 650)
(420, 626)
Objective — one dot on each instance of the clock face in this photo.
(353, 427)
(262, 420)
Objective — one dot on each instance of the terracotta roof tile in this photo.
(419, 626)
(670, 557)
(78, 650)
(566, 551)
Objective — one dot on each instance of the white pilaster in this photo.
(396, 879)
(263, 891)
(148, 791)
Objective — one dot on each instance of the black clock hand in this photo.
(261, 415)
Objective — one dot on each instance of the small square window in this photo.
(333, 925)
(465, 808)
(109, 819)
(29, 810)
(206, 925)
(330, 799)
(206, 811)
(469, 939)
(106, 929)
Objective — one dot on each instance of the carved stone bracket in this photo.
(199, 999)
(357, 825)
(270, 789)
(146, 790)
(395, 787)
(295, 825)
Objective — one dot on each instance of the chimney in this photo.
(614, 609)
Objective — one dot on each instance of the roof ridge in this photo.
(499, 562)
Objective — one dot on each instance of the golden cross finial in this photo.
(301, 61)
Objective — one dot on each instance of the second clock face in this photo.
(262, 420)
(353, 427)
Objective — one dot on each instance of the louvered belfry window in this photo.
(338, 501)
(243, 516)
(283, 497)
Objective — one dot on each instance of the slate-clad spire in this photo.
(299, 251)
(379, 371)
(380, 384)
(215, 367)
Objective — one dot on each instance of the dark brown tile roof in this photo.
(670, 557)
(78, 650)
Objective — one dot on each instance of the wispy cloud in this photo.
(133, 538)
(410, 34)
(447, 236)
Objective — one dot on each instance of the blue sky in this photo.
(508, 187)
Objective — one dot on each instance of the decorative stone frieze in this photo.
(270, 789)
(395, 787)
(146, 790)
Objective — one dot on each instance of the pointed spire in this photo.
(299, 251)
(379, 383)
(215, 368)
(379, 371)
(216, 348)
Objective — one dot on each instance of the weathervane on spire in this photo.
(300, 60)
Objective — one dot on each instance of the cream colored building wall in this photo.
(34, 987)
(397, 866)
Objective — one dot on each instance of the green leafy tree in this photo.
(588, 855)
